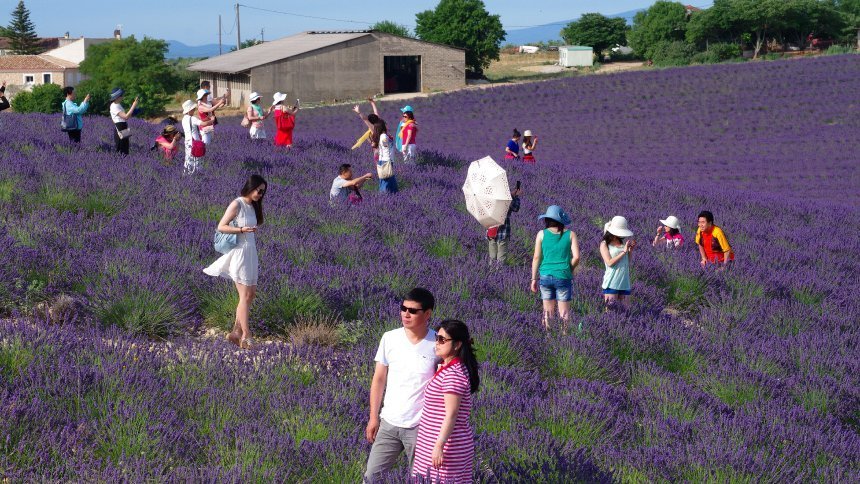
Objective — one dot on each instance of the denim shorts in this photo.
(555, 289)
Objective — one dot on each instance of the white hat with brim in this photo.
(254, 96)
(528, 132)
(618, 226)
(672, 222)
(188, 106)
(201, 93)
(279, 97)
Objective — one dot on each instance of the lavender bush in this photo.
(745, 375)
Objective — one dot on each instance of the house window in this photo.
(46, 78)
(29, 79)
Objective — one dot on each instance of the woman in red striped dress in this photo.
(445, 446)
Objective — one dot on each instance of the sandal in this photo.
(233, 338)
(246, 344)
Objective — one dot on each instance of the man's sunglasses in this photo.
(404, 309)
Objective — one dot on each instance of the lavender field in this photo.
(109, 370)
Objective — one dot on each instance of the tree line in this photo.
(670, 33)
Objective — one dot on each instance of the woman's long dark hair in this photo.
(379, 127)
(459, 333)
(550, 223)
(609, 237)
(251, 185)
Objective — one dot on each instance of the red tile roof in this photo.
(34, 63)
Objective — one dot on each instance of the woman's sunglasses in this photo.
(442, 340)
(404, 309)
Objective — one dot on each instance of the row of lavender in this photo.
(751, 373)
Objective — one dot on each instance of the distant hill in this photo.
(178, 49)
(546, 32)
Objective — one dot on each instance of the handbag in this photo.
(246, 123)
(385, 170)
(69, 122)
(198, 148)
(123, 134)
(224, 243)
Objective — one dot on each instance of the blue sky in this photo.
(196, 23)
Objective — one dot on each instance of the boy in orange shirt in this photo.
(713, 245)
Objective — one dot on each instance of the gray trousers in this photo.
(497, 249)
(390, 442)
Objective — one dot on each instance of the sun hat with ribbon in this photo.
(279, 97)
(672, 222)
(554, 212)
(407, 108)
(618, 226)
(254, 96)
(188, 106)
(201, 93)
(116, 94)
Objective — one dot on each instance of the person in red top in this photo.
(408, 133)
(285, 121)
(445, 446)
(713, 245)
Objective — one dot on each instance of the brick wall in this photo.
(442, 68)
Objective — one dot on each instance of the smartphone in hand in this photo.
(518, 185)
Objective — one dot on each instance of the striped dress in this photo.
(458, 454)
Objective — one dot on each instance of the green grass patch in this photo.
(444, 247)
(208, 213)
(399, 283)
(8, 190)
(303, 425)
(666, 402)
(15, 357)
(393, 239)
(732, 392)
(339, 229)
(715, 474)
(521, 300)
(123, 437)
(141, 311)
(685, 292)
(566, 363)
(807, 296)
(301, 255)
(22, 236)
(497, 350)
(493, 421)
(677, 359)
(281, 310)
(577, 429)
(815, 399)
(218, 306)
(461, 289)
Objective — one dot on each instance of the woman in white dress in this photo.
(241, 264)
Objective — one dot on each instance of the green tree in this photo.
(850, 11)
(21, 32)
(465, 24)
(390, 27)
(596, 31)
(44, 98)
(247, 43)
(663, 21)
(137, 67)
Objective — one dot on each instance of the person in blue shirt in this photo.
(512, 150)
(70, 107)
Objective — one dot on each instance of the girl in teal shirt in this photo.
(556, 255)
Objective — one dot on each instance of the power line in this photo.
(306, 16)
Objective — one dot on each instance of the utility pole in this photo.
(238, 30)
(262, 37)
(220, 50)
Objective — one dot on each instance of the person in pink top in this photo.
(445, 446)
(669, 231)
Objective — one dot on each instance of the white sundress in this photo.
(240, 264)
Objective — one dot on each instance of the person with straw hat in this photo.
(285, 120)
(256, 115)
(669, 231)
(120, 117)
(556, 255)
(191, 125)
(615, 249)
(168, 142)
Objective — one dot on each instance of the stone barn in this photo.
(328, 66)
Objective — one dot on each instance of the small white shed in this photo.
(575, 56)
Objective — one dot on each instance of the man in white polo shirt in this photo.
(405, 363)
